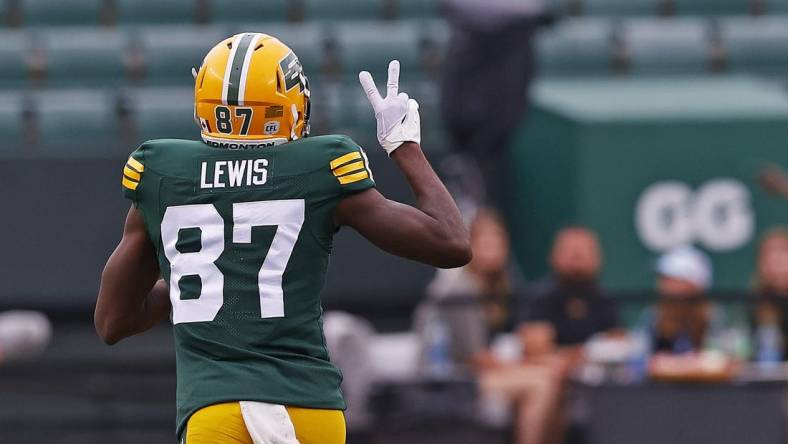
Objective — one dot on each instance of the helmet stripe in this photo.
(234, 83)
(245, 69)
(229, 67)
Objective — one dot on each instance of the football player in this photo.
(239, 226)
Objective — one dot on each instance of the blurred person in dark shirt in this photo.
(771, 283)
(570, 299)
(474, 301)
(683, 318)
(559, 314)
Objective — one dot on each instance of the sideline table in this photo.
(661, 413)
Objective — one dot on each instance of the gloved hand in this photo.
(397, 115)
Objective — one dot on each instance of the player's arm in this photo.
(130, 299)
(434, 232)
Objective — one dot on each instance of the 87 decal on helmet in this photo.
(251, 91)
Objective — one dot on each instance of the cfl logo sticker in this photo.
(718, 215)
(271, 127)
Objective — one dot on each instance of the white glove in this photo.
(397, 114)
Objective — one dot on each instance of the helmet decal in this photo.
(238, 68)
(251, 88)
(293, 72)
(229, 68)
(245, 70)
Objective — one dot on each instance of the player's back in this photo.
(243, 238)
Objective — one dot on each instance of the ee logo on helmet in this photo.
(293, 72)
(718, 215)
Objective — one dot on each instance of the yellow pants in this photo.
(227, 423)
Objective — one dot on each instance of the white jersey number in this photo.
(286, 215)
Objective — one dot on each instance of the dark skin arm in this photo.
(433, 233)
(130, 299)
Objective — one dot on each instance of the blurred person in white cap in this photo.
(683, 316)
(23, 335)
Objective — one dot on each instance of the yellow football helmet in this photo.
(251, 91)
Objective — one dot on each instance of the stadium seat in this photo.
(436, 32)
(85, 56)
(354, 110)
(576, 47)
(756, 44)
(76, 123)
(428, 95)
(436, 42)
(170, 52)
(712, 7)
(620, 7)
(344, 109)
(14, 48)
(665, 46)
(155, 11)
(11, 122)
(319, 118)
(327, 113)
(414, 9)
(249, 10)
(162, 112)
(71, 12)
(316, 10)
(370, 46)
(777, 6)
(556, 7)
(307, 40)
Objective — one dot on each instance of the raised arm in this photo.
(434, 232)
(130, 299)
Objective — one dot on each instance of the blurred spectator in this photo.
(561, 312)
(349, 340)
(683, 318)
(487, 71)
(771, 287)
(23, 335)
(774, 180)
(772, 264)
(474, 301)
(570, 299)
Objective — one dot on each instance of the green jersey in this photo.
(243, 237)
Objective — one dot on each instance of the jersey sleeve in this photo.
(350, 166)
(132, 174)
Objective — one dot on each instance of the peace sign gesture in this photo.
(397, 115)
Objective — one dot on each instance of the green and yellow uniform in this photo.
(243, 237)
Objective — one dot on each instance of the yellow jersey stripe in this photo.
(349, 168)
(130, 184)
(131, 174)
(345, 159)
(351, 178)
(134, 163)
